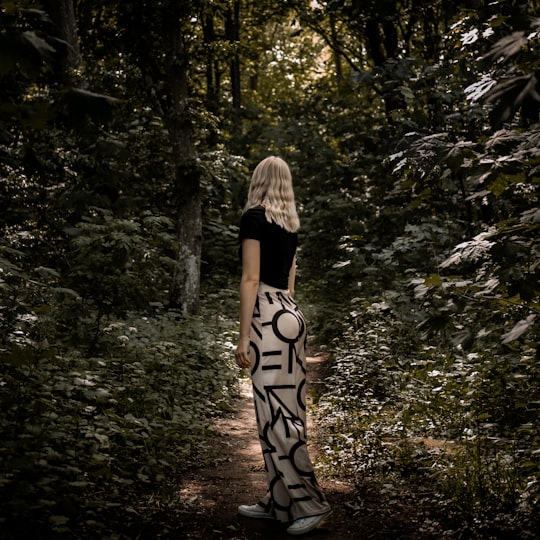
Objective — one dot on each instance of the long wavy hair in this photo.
(271, 187)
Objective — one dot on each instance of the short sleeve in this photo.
(250, 225)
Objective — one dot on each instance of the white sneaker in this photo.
(306, 524)
(254, 511)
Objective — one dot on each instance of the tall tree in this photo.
(63, 14)
(159, 70)
(186, 278)
(232, 34)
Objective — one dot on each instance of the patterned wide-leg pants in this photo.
(278, 337)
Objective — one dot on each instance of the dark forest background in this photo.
(128, 130)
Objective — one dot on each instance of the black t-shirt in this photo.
(278, 246)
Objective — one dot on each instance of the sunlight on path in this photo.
(230, 476)
(236, 475)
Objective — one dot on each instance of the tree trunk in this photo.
(382, 43)
(185, 286)
(375, 42)
(232, 33)
(335, 50)
(213, 77)
(165, 68)
(63, 15)
(235, 62)
(209, 36)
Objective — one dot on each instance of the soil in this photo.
(236, 476)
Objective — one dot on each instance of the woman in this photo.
(272, 343)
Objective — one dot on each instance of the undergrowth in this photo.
(456, 429)
(93, 445)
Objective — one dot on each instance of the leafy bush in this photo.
(120, 264)
(461, 425)
(435, 312)
(85, 438)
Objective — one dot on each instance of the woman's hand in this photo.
(241, 354)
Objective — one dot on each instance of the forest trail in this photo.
(235, 476)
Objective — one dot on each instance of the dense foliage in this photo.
(88, 439)
(435, 376)
(412, 129)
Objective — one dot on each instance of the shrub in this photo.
(83, 439)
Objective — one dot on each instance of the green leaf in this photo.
(519, 329)
(498, 186)
(505, 48)
(59, 520)
(38, 44)
(66, 291)
(433, 280)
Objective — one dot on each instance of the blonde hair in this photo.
(271, 187)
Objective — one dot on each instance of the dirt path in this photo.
(236, 476)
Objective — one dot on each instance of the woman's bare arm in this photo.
(249, 285)
(292, 277)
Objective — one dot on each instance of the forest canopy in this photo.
(128, 131)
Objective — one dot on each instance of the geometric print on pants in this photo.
(278, 374)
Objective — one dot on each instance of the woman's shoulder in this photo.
(257, 213)
(252, 222)
(255, 210)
